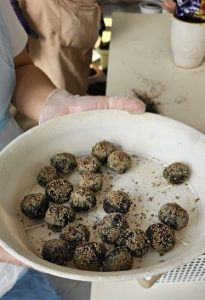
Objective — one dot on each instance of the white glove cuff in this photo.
(51, 105)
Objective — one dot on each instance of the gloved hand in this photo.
(60, 103)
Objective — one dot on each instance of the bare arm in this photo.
(32, 86)
(7, 258)
(169, 5)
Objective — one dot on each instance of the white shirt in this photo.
(18, 36)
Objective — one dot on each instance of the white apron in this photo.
(8, 129)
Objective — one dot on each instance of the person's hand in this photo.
(5, 257)
(169, 5)
(60, 103)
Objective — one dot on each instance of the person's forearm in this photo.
(32, 88)
(169, 5)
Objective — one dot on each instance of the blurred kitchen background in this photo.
(98, 68)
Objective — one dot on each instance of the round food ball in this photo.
(119, 161)
(59, 190)
(136, 242)
(82, 200)
(162, 237)
(34, 206)
(111, 227)
(176, 173)
(118, 259)
(89, 256)
(57, 251)
(89, 164)
(47, 174)
(75, 234)
(63, 162)
(91, 181)
(58, 216)
(116, 201)
(173, 215)
(102, 150)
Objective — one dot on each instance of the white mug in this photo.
(150, 7)
(187, 43)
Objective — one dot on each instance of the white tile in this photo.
(133, 291)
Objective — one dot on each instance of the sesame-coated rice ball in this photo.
(116, 201)
(119, 161)
(118, 259)
(89, 164)
(63, 162)
(176, 173)
(82, 199)
(89, 256)
(75, 234)
(58, 216)
(162, 237)
(102, 150)
(34, 206)
(173, 215)
(111, 227)
(91, 181)
(59, 190)
(47, 174)
(135, 241)
(57, 251)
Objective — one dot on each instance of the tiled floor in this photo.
(133, 291)
(71, 289)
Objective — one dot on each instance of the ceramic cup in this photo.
(150, 7)
(187, 43)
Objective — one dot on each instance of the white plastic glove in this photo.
(60, 103)
(9, 275)
(10, 269)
